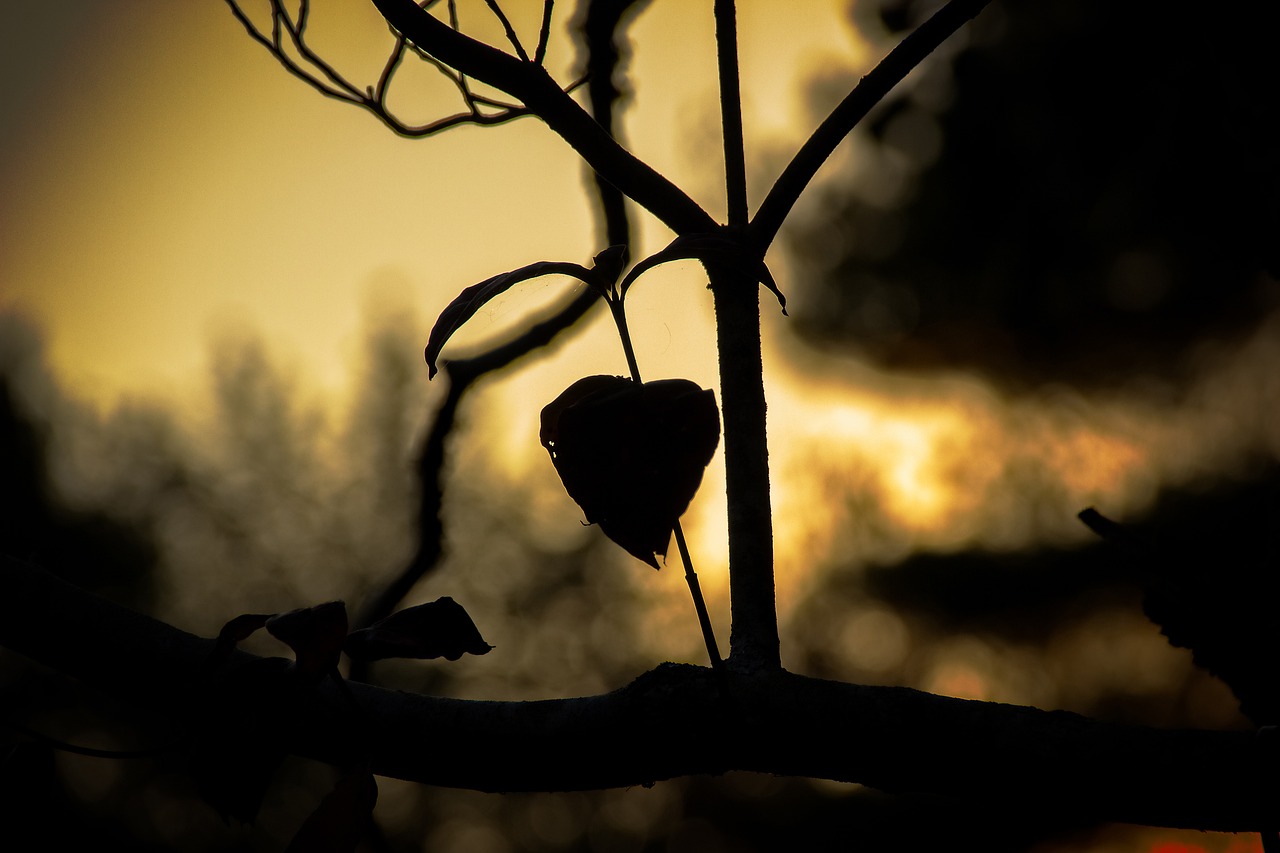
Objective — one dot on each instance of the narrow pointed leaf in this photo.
(472, 299)
(631, 454)
(441, 628)
(713, 248)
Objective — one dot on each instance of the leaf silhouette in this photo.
(441, 628)
(235, 632)
(315, 634)
(472, 299)
(713, 247)
(632, 454)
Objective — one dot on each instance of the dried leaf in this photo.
(441, 628)
(315, 634)
(715, 247)
(632, 455)
(472, 299)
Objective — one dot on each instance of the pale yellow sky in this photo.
(170, 178)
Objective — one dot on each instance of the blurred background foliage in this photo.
(1076, 194)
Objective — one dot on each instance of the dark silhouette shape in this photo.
(632, 454)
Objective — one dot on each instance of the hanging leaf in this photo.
(315, 634)
(439, 629)
(714, 247)
(472, 299)
(340, 821)
(632, 454)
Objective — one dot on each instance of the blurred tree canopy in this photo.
(1084, 189)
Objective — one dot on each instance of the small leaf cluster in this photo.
(244, 722)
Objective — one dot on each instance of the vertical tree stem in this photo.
(753, 640)
(735, 161)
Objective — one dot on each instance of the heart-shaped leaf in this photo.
(472, 299)
(439, 629)
(713, 247)
(632, 454)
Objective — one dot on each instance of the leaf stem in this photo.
(620, 320)
(699, 604)
(619, 312)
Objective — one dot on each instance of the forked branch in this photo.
(286, 40)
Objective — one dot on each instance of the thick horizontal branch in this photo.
(530, 83)
(895, 739)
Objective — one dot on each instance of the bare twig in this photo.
(462, 373)
(909, 53)
(544, 33)
(530, 84)
(287, 42)
(508, 29)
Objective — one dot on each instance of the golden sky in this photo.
(165, 184)
(164, 177)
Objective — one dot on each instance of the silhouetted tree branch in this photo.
(320, 75)
(909, 53)
(530, 83)
(894, 739)
(600, 32)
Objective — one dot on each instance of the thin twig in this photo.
(481, 110)
(508, 29)
(304, 50)
(900, 62)
(544, 34)
(699, 604)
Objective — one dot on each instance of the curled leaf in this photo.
(472, 299)
(632, 454)
(714, 247)
(237, 631)
(315, 634)
(439, 629)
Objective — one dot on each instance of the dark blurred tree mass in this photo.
(1084, 190)
(1066, 192)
